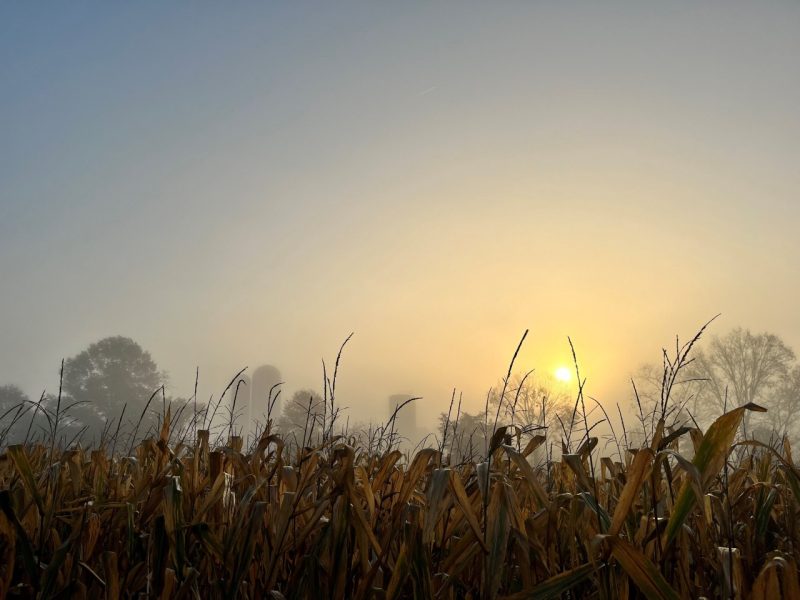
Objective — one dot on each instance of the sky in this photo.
(232, 185)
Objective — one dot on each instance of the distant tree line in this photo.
(110, 390)
(714, 376)
(723, 373)
(113, 390)
(534, 404)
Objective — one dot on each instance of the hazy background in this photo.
(238, 185)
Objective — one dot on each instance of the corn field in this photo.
(333, 521)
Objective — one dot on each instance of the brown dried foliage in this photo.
(333, 521)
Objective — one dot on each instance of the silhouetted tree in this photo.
(15, 414)
(11, 397)
(729, 371)
(532, 403)
(466, 436)
(23, 420)
(109, 375)
(301, 419)
(782, 413)
(742, 367)
(646, 400)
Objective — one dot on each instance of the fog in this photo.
(241, 187)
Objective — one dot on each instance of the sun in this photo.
(563, 374)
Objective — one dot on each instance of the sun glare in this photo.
(563, 374)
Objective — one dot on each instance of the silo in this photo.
(264, 378)
(240, 392)
(406, 421)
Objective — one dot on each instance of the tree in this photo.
(15, 414)
(301, 418)
(110, 375)
(782, 412)
(532, 403)
(466, 437)
(22, 420)
(742, 367)
(648, 383)
(11, 398)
